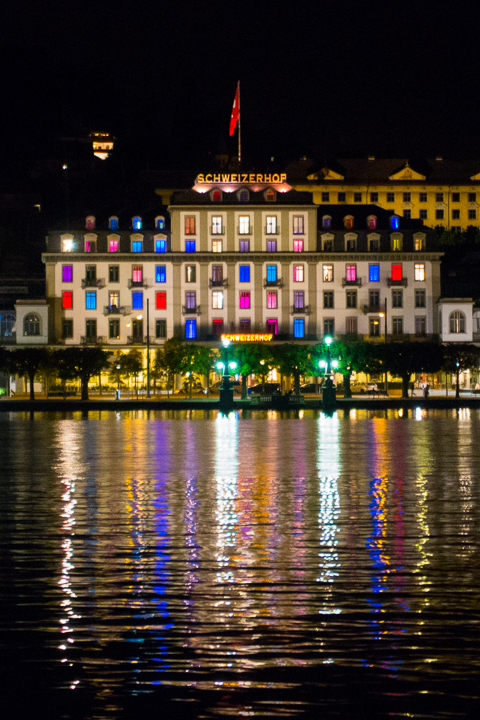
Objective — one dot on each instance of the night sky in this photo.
(318, 79)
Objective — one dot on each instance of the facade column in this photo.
(284, 328)
(231, 297)
(257, 298)
(312, 298)
(177, 300)
(203, 300)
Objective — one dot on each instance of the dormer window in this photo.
(137, 223)
(372, 222)
(270, 195)
(394, 222)
(160, 222)
(113, 223)
(348, 222)
(90, 222)
(326, 222)
(216, 195)
(243, 195)
(68, 244)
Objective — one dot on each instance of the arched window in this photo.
(31, 324)
(371, 222)
(457, 322)
(326, 221)
(394, 224)
(348, 222)
(113, 223)
(7, 325)
(160, 222)
(217, 196)
(137, 223)
(90, 222)
(243, 195)
(270, 195)
(68, 244)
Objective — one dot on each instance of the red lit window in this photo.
(67, 300)
(161, 300)
(348, 221)
(216, 196)
(190, 225)
(396, 272)
(217, 327)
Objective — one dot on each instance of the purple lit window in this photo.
(67, 273)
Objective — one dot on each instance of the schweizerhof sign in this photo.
(242, 179)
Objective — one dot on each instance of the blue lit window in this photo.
(394, 223)
(190, 330)
(91, 300)
(160, 222)
(161, 273)
(244, 273)
(137, 223)
(299, 328)
(271, 273)
(137, 300)
(374, 273)
(189, 245)
(160, 246)
(113, 223)
(137, 245)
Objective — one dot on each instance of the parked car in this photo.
(267, 388)
(363, 388)
(310, 388)
(236, 384)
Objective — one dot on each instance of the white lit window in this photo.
(298, 225)
(419, 271)
(271, 225)
(217, 225)
(67, 243)
(244, 225)
(217, 299)
(328, 273)
(216, 246)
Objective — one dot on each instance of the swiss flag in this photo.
(235, 111)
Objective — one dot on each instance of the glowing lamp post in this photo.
(329, 391)
(226, 389)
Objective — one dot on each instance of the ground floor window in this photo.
(328, 326)
(67, 328)
(245, 325)
(374, 329)
(217, 327)
(299, 328)
(160, 329)
(190, 329)
(397, 326)
(114, 329)
(272, 326)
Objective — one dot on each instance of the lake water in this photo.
(189, 564)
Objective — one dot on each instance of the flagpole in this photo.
(239, 140)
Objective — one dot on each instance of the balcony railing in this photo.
(356, 283)
(272, 283)
(195, 310)
(138, 283)
(93, 282)
(217, 230)
(94, 340)
(137, 340)
(217, 283)
(403, 282)
(305, 310)
(373, 308)
(114, 310)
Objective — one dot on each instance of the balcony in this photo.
(95, 340)
(353, 283)
(217, 283)
(131, 340)
(93, 282)
(397, 283)
(195, 310)
(373, 308)
(305, 310)
(114, 310)
(217, 230)
(273, 283)
(138, 283)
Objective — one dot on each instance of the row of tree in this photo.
(401, 360)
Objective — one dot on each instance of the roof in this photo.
(292, 197)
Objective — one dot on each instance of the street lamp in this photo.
(329, 391)
(385, 337)
(226, 389)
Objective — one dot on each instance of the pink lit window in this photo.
(298, 273)
(396, 272)
(244, 300)
(272, 327)
(298, 246)
(351, 273)
(272, 300)
(90, 222)
(113, 246)
(137, 273)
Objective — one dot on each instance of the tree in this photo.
(27, 362)
(170, 360)
(293, 360)
(131, 363)
(352, 357)
(64, 367)
(82, 363)
(404, 359)
(202, 361)
(459, 357)
(253, 358)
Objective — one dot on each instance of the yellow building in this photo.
(439, 191)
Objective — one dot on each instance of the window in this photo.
(245, 300)
(472, 214)
(137, 274)
(270, 195)
(394, 223)
(137, 246)
(31, 324)
(113, 273)
(67, 328)
(420, 298)
(374, 273)
(244, 225)
(342, 197)
(114, 299)
(114, 329)
(407, 214)
(160, 222)
(396, 273)
(217, 225)
(423, 215)
(420, 272)
(190, 273)
(439, 197)
(216, 246)
(348, 222)
(299, 300)
(271, 273)
(298, 246)
(67, 300)
(325, 197)
(272, 326)
(397, 298)
(327, 243)
(190, 246)
(351, 325)
(390, 197)
(137, 300)
(137, 223)
(217, 299)
(217, 274)
(396, 242)
(328, 299)
(244, 246)
(91, 300)
(271, 228)
(160, 273)
(244, 273)
(91, 330)
(457, 322)
(357, 197)
(113, 223)
(371, 222)
(420, 325)
(90, 222)
(271, 246)
(374, 299)
(272, 299)
(90, 243)
(407, 197)
(374, 327)
(67, 244)
(351, 298)
(397, 326)
(350, 244)
(190, 329)
(299, 328)
(456, 214)
(298, 225)
(423, 197)
(217, 196)
(190, 225)
(67, 273)
(326, 222)
(161, 300)
(161, 246)
(91, 275)
(439, 214)
(217, 327)
(328, 273)
(160, 329)
(244, 196)
(191, 300)
(245, 325)
(419, 242)
(298, 273)
(351, 273)
(374, 197)
(113, 244)
(472, 197)
(328, 326)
